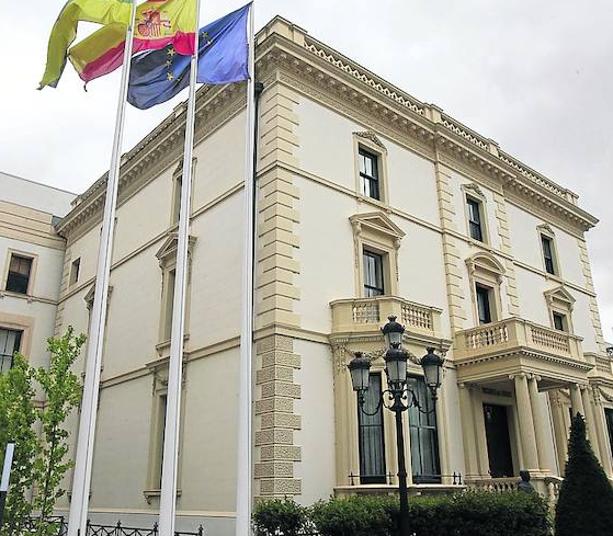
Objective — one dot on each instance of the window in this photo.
(169, 298)
(163, 404)
(608, 412)
(425, 462)
(373, 274)
(10, 342)
(74, 271)
(484, 309)
(474, 219)
(548, 255)
(18, 279)
(369, 173)
(176, 199)
(559, 321)
(370, 429)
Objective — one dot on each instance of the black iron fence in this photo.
(454, 479)
(94, 529)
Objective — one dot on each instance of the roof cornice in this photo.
(283, 45)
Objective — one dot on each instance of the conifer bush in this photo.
(585, 504)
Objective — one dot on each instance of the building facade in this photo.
(32, 260)
(370, 203)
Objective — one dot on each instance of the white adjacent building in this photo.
(369, 203)
(32, 261)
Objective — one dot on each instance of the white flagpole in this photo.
(168, 497)
(81, 482)
(244, 461)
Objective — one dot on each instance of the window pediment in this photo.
(559, 295)
(485, 262)
(378, 223)
(168, 251)
(546, 229)
(473, 189)
(372, 137)
(89, 297)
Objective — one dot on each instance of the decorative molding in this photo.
(474, 189)
(546, 229)
(372, 137)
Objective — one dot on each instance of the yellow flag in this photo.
(64, 30)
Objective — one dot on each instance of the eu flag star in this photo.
(170, 76)
(171, 52)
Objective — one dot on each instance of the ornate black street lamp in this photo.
(398, 397)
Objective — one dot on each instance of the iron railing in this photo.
(94, 529)
(388, 479)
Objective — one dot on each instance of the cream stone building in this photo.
(31, 260)
(370, 203)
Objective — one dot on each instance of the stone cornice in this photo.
(325, 73)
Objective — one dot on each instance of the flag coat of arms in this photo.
(159, 23)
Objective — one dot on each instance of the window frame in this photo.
(73, 278)
(474, 205)
(17, 347)
(31, 276)
(383, 262)
(177, 184)
(365, 178)
(414, 414)
(486, 271)
(487, 291)
(381, 478)
(473, 193)
(546, 233)
(369, 143)
(560, 302)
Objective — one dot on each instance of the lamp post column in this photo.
(403, 524)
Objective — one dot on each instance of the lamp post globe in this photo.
(432, 366)
(396, 366)
(392, 331)
(359, 368)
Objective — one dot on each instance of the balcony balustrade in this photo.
(363, 315)
(516, 334)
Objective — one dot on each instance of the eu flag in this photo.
(223, 57)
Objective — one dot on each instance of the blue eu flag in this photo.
(223, 57)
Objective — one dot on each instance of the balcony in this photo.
(366, 315)
(513, 345)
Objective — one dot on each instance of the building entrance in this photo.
(498, 440)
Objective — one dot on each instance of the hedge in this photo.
(464, 514)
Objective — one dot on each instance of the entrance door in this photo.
(498, 440)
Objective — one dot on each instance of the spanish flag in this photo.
(159, 23)
(64, 30)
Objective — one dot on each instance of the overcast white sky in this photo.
(535, 75)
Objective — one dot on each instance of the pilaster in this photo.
(278, 217)
(589, 284)
(276, 420)
(504, 232)
(451, 257)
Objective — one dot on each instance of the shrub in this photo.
(356, 516)
(585, 505)
(463, 514)
(280, 517)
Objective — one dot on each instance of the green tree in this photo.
(62, 394)
(585, 505)
(17, 419)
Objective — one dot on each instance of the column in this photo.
(588, 407)
(482, 457)
(468, 431)
(526, 423)
(559, 429)
(602, 433)
(540, 424)
(576, 403)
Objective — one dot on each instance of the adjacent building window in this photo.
(163, 404)
(371, 436)
(369, 174)
(176, 199)
(20, 269)
(373, 274)
(484, 306)
(10, 342)
(475, 213)
(425, 461)
(549, 255)
(75, 268)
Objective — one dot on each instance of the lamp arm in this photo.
(415, 403)
(361, 401)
